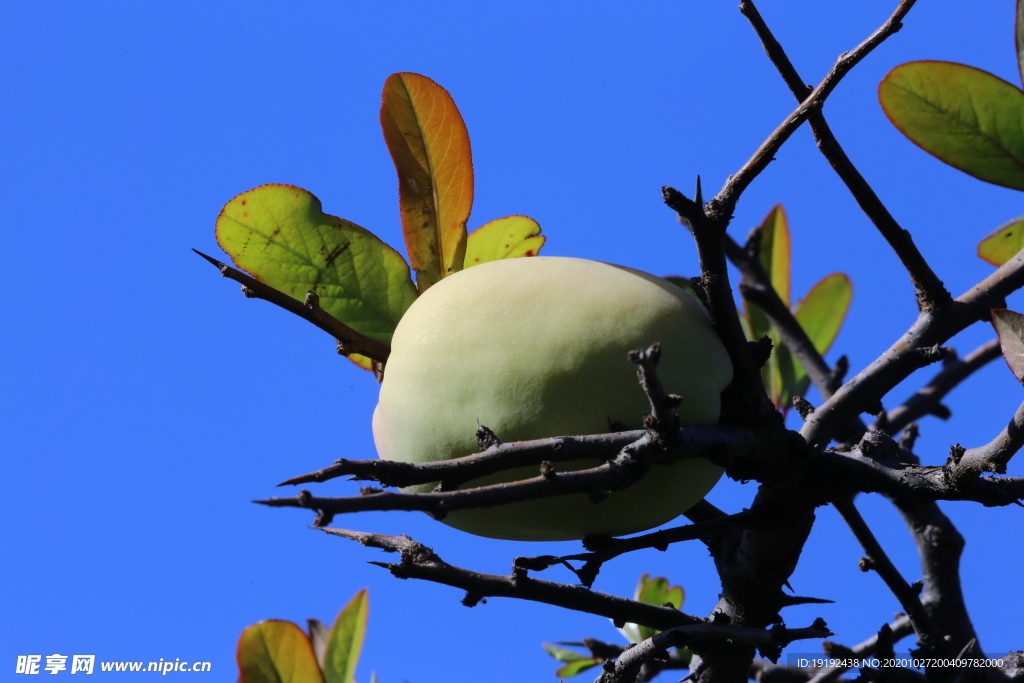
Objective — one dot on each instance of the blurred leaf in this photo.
(575, 668)
(318, 636)
(821, 314)
(968, 118)
(346, 640)
(430, 147)
(775, 250)
(280, 235)
(656, 591)
(1019, 35)
(562, 654)
(1003, 243)
(508, 237)
(1010, 328)
(276, 651)
(774, 255)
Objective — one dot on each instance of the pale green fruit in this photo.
(537, 347)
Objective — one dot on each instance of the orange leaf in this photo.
(430, 147)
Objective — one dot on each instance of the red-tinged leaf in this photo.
(509, 237)
(430, 147)
(346, 640)
(821, 313)
(575, 668)
(1003, 243)
(1010, 328)
(968, 118)
(276, 651)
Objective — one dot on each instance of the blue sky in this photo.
(146, 402)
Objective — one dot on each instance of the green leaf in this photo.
(346, 640)
(276, 651)
(575, 668)
(509, 237)
(562, 654)
(968, 118)
(1003, 243)
(821, 314)
(774, 255)
(656, 591)
(280, 235)
(430, 147)
(1010, 328)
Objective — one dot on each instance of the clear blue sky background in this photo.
(145, 402)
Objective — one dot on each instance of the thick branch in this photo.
(916, 346)
(627, 666)
(709, 236)
(349, 341)
(993, 456)
(835, 474)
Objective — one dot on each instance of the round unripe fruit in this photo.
(537, 347)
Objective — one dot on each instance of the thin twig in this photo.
(616, 474)
(928, 399)
(349, 341)
(718, 443)
(931, 293)
(662, 420)
(927, 633)
(420, 562)
(723, 204)
(610, 548)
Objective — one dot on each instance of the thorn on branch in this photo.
(349, 340)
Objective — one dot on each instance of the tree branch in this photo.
(716, 443)
(931, 293)
(927, 633)
(626, 668)
(915, 347)
(928, 399)
(420, 562)
(721, 207)
(349, 341)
